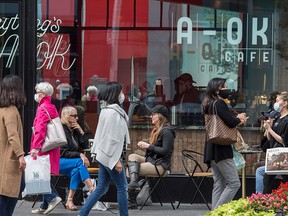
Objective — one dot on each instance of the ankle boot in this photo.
(132, 194)
(134, 168)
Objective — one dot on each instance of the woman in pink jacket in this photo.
(44, 91)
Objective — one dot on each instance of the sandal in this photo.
(70, 205)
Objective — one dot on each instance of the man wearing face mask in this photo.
(110, 137)
(277, 133)
(44, 91)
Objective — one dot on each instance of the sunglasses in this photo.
(75, 116)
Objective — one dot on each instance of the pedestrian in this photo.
(44, 91)
(219, 157)
(111, 136)
(160, 146)
(12, 162)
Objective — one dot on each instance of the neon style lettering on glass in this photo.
(52, 51)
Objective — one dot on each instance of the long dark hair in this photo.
(12, 92)
(211, 92)
(110, 93)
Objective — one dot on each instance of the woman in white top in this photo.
(110, 138)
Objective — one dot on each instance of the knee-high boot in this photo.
(132, 202)
(133, 168)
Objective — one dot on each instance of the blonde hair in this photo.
(65, 114)
(158, 128)
(284, 96)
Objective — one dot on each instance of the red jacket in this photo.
(38, 136)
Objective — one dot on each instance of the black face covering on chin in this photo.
(224, 93)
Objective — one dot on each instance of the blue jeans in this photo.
(75, 170)
(47, 198)
(259, 183)
(104, 178)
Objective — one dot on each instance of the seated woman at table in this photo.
(160, 145)
(73, 162)
(277, 133)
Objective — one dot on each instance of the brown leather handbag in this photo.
(217, 131)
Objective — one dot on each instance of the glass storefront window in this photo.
(94, 14)
(141, 43)
(9, 39)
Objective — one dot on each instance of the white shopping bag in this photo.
(37, 175)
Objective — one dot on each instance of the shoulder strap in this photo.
(214, 109)
(115, 110)
(46, 112)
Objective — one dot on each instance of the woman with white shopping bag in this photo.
(44, 91)
(12, 161)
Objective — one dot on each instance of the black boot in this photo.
(133, 167)
(132, 194)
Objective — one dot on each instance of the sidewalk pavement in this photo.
(23, 208)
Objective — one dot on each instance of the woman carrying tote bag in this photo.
(44, 91)
(220, 157)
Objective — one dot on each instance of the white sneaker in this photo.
(38, 211)
(53, 204)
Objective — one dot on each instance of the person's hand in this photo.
(242, 117)
(118, 166)
(34, 153)
(85, 160)
(76, 126)
(22, 163)
(143, 145)
(267, 124)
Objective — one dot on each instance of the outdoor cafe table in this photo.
(244, 152)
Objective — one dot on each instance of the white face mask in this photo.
(36, 98)
(122, 98)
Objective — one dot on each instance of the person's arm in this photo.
(14, 140)
(40, 129)
(83, 141)
(70, 150)
(225, 114)
(168, 142)
(280, 138)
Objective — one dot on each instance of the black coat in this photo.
(75, 146)
(163, 147)
(220, 152)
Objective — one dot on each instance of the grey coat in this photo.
(111, 135)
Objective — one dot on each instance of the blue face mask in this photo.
(277, 107)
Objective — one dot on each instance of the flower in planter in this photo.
(257, 204)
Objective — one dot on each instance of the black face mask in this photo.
(224, 93)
